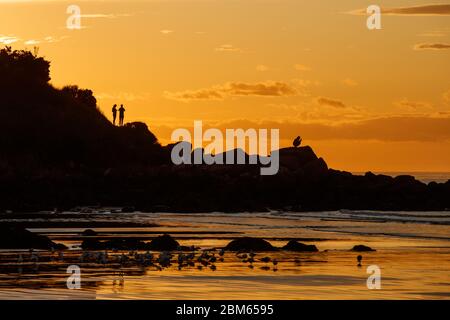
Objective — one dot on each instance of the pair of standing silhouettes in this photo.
(121, 114)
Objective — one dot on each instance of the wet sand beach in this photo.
(412, 252)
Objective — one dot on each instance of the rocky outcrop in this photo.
(46, 162)
(89, 233)
(20, 238)
(294, 158)
(164, 243)
(362, 248)
(300, 247)
(249, 244)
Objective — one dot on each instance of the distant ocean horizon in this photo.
(426, 177)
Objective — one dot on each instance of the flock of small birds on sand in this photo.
(205, 259)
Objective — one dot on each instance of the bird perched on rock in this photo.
(297, 142)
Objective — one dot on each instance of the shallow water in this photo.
(413, 253)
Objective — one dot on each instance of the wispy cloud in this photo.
(435, 33)
(391, 128)
(430, 10)
(413, 105)
(432, 46)
(235, 89)
(422, 10)
(262, 68)
(301, 67)
(48, 39)
(105, 15)
(330, 102)
(8, 39)
(166, 31)
(446, 96)
(123, 96)
(349, 82)
(228, 48)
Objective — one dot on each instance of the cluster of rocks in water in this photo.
(161, 243)
(167, 243)
(362, 248)
(257, 244)
(19, 238)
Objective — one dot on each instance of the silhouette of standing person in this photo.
(114, 112)
(121, 115)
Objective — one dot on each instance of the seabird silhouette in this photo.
(297, 141)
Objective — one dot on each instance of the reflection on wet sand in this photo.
(413, 267)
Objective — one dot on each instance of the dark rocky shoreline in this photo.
(58, 151)
(299, 186)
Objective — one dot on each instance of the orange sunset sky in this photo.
(364, 100)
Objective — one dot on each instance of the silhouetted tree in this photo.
(84, 96)
(23, 66)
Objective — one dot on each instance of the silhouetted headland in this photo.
(59, 151)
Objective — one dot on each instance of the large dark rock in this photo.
(20, 238)
(249, 244)
(294, 158)
(362, 248)
(164, 243)
(316, 168)
(89, 233)
(300, 247)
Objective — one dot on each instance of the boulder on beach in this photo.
(89, 233)
(293, 245)
(21, 238)
(362, 248)
(249, 244)
(164, 243)
(294, 158)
